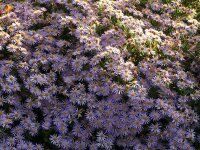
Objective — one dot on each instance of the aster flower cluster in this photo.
(99, 74)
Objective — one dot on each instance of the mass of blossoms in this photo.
(99, 75)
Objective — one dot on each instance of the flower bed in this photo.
(99, 74)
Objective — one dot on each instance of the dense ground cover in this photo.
(99, 74)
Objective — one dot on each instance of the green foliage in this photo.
(165, 121)
(182, 91)
(153, 92)
(113, 20)
(166, 1)
(66, 36)
(118, 79)
(90, 53)
(43, 138)
(191, 3)
(50, 7)
(155, 24)
(177, 13)
(86, 67)
(169, 30)
(38, 26)
(135, 54)
(100, 29)
(103, 62)
(143, 2)
(122, 26)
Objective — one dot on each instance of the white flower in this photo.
(11, 79)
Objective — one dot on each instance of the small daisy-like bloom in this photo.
(81, 100)
(155, 128)
(155, 115)
(22, 145)
(28, 84)
(29, 103)
(62, 127)
(77, 130)
(173, 127)
(12, 48)
(39, 147)
(16, 87)
(5, 70)
(30, 146)
(44, 95)
(16, 114)
(34, 79)
(137, 124)
(132, 94)
(117, 89)
(18, 130)
(156, 6)
(46, 125)
(23, 50)
(93, 146)
(24, 65)
(53, 89)
(7, 88)
(55, 139)
(11, 141)
(151, 141)
(190, 134)
(146, 119)
(101, 136)
(80, 145)
(9, 63)
(66, 144)
(35, 90)
(39, 79)
(90, 115)
(77, 65)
